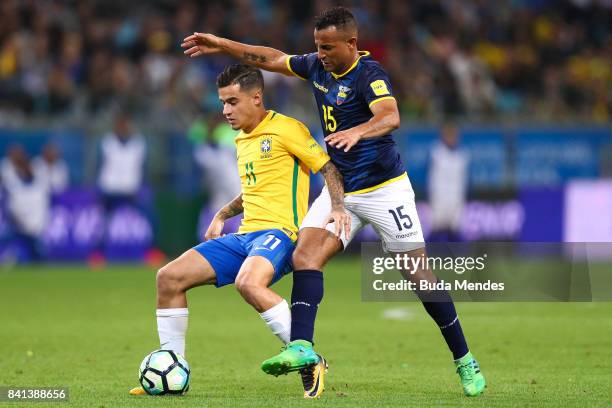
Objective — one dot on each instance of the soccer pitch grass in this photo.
(89, 330)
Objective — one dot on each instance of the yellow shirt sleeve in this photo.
(299, 142)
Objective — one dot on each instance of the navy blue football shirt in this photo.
(344, 101)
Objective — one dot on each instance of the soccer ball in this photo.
(164, 372)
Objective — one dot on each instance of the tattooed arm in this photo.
(335, 186)
(266, 58)
(334, 182)
(231, 209)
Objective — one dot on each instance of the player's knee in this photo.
(243, 287)
(246, 285)
(168, 280)
(303, 259)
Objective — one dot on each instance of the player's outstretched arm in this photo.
(231, 209)
(335, 186)
(385, 120)
(265, 58)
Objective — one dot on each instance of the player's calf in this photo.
(252, 293)
(252, 282)
(170, 284)
(173, 280)
(439, 305)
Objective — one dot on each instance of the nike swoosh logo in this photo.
(314, 389)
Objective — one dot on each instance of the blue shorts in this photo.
(226, 254)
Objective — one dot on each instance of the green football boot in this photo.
(472, 380)
(295, 355)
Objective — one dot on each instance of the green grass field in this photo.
(89, 330)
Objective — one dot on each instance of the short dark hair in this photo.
(247, 76)
(339, 17)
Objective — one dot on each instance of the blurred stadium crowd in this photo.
(106, 128)
(544, 60)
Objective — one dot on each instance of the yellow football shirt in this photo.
(274, 162)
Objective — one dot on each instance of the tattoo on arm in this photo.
(335, 184)
(232, 208)
(251, 57)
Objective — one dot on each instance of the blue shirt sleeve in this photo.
(301, 65)
(376, 86)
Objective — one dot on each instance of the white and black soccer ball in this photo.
(164, 372)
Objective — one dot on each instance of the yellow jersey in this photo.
(274, 160)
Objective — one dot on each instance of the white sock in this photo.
(172, 327)
(278, 319)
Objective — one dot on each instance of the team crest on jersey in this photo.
(265, 147)
(343, 92)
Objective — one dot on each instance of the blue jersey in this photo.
(344, 101)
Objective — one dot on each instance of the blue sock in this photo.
(306, 295)
(441, 308)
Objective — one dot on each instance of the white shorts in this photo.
(390, 209)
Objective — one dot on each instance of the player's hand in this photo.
(344, 139)
(200, 43)
(342, 222)
(214, 229)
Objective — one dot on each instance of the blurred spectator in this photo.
(122, 160)
(50, 166)
(120, 179)
(216, 155)
(474, 84)
(447, 185)
(27, 203)
(8, 167)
